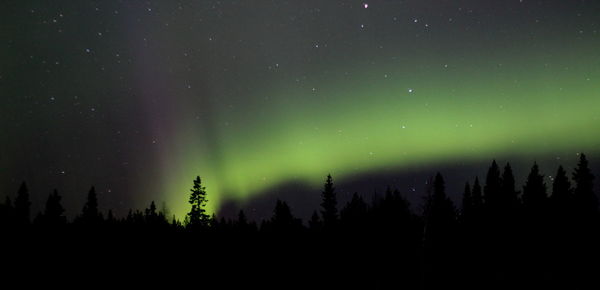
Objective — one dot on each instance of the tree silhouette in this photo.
(477, 197)
(509, 194)
(242, 225)
(562, 194)
(585, 199)
(534, 192)
(54, 211)
(440, 218)
(22, 205)
(197, 217)
(493, 191)
(329, 204)
(283, 221)
(354, 214)
(90, 214)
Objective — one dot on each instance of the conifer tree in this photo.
(561, 189)
(54, 211)
(509, 194)
(197, 217)
(90, 214)
(585, 199)
(492, 189)
(534, 191)
(329, 204)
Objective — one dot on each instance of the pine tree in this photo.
(90, 214)
(440, 213)
(440, 217)
(329, 204)
(534, 191)
(354, 214)
(561, 189)
(22, 206)
(509, 194)
(283, 221)
(585, 199)
(151, 216)
(197, 217)
(492, 189)
(54, 211)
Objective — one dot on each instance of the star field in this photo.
(138, 98)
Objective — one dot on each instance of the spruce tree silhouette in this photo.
(492, 192)
(585, 199)
(509, 195)
(561, 236)
(329, 205)
(197, 218)
(54, 212)
(562, 196)
(391, 215)
(440, 218)
(353, 216)
(22, 206)
(242, 225)
(585, 234)
(154, 219)
(534, 193)
(283, 222)
(90, 216)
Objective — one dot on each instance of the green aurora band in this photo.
(423, 113)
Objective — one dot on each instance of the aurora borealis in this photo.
(139, 97)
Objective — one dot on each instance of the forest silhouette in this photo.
(498, 236)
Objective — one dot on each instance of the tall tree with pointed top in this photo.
(354, 214)
(492, 189)
(22, 205)
(534, 191)
(283, 221)
(54, 211)
(440, 218)
(561, 189)
(197, 217)
(329, 204)
(585, 199)
(90, 214)
(509, 195)
(440, 213)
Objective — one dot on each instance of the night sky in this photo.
(139, 97)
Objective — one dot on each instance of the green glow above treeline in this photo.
(391, 117)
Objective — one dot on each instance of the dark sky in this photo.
(264, 98)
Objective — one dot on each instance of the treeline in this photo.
(539, 235)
